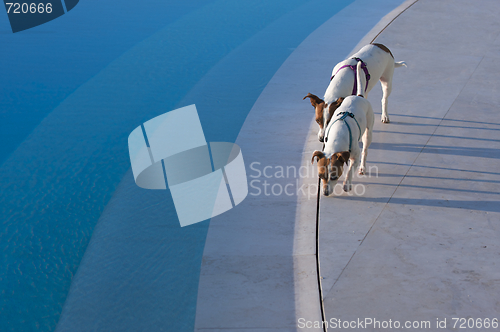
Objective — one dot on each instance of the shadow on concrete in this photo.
(435, 167)
(489, 206)
(436, 135)
(440, 119)
(382, 175)
(439, 149)
(436, 188)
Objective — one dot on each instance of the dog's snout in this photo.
(321, 139)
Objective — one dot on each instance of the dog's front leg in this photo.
(353, 164)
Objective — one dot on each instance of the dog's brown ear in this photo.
(343, 156)
(315, 100)
(333, 106)
(318, 154)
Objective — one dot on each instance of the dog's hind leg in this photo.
(386, 91)
(367, 140)
(386, 82)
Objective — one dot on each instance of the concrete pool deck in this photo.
(421, 243)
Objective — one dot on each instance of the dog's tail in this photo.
(400, 64)
(359, 70)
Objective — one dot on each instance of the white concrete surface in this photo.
(422, 242)
(259, 270)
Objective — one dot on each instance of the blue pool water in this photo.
(73, 89)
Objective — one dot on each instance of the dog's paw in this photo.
(361, 170)
(385, 119)
(347, 187)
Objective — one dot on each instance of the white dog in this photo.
(377, 64)
(352, 120)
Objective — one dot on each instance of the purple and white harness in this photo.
(367, 75)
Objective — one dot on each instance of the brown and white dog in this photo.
(378, 65)
(353, 119)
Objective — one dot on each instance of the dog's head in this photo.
(330, 169)
(323, 112)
